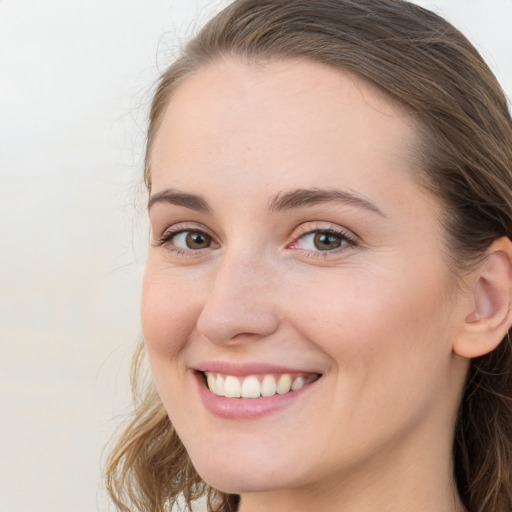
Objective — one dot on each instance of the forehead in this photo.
(240, 115)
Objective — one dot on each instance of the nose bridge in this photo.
(239, 305)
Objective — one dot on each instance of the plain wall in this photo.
(75, 82)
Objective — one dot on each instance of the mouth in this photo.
(258, 385)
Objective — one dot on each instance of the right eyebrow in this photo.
(171, 196)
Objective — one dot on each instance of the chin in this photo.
(241, 476)
(240, 482)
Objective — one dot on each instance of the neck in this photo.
(347, 497)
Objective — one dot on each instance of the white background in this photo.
(75, 82)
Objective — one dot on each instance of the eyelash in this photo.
(173, 232)
(347, 240)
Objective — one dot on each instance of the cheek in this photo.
(168, 318)
(376, 323)
(389, 346)
(168, 314)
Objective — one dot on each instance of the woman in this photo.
(327, 297)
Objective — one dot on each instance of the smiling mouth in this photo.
(256, 386)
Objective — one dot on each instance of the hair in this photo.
(465, 159)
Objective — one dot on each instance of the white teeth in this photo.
(268, 386)
(231, 387)
(219, 385)
(298, 383)
(251, 387)
(211, 382)
(284, 384)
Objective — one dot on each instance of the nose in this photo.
(240, 306)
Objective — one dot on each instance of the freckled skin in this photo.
(376, 318)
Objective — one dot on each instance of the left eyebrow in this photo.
(304, 198)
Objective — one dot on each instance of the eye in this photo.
(181, 240)
(191, 240)
(324, 240)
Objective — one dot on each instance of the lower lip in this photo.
(246, 408)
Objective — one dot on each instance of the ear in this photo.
(491, 303)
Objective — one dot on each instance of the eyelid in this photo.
(307, 228)
(321, 227)
(182, 227)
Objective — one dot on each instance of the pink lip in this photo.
(246, 408)
(244, 370)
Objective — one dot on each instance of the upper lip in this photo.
(245, 369)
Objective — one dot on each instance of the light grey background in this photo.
(75, 81)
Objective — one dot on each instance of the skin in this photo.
(376, 317)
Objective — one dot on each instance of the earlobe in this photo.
(491, 313)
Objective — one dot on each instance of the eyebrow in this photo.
(301, 198)
(171, 196)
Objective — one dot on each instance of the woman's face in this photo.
(291, 246)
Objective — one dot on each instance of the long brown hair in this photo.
(419, 59)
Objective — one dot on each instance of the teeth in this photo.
(231, 387)
(219, 385)
(284, 384)
(212, 383)
(268, 386)
(252, 387)
(311, 378)
(298, 383)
